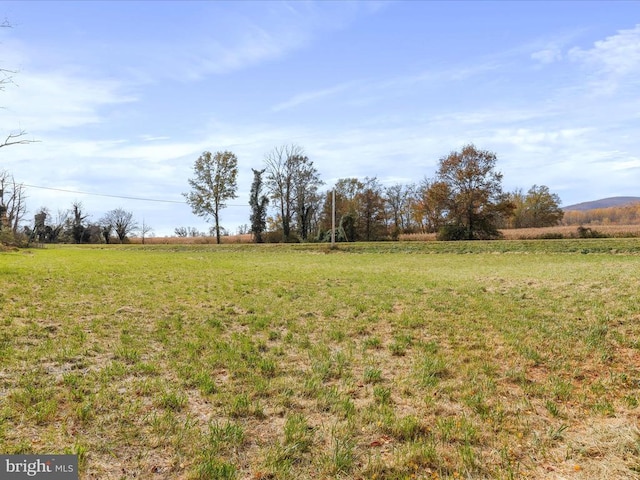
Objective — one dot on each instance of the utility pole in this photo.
(333, 218)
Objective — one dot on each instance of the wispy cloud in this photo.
(441, 75)
(279, 30)
(550, 49)
(254, 46)
(47, 101)
(618, 54)
(612, 60)
(370, 91)
(306, 97)
(548, 55)
(527, 136)
(154, 138)
(632, 163)
(496, 116)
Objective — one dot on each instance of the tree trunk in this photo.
(217, 220)
(285, 224)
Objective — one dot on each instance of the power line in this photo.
(116, 196)
(104, 194)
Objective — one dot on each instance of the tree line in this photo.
(464, 200)
(70, 225)
(621, 215)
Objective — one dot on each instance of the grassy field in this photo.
(516, 359)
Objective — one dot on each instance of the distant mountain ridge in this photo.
(602, 203)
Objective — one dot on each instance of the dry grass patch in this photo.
(559, 231)
(199, 240)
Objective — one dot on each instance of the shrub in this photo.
(452, 232)
(586, 232)
(10, 239)
(551, 236)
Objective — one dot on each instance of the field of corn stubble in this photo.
(387, 361)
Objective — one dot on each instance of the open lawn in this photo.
(398, 360)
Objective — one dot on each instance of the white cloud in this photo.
(154, 138)
(631, 163)
(548, 55)
(612, 60)
(549, 49)
(528, 138)
(46, 101)
(155, 153)
(618, 54)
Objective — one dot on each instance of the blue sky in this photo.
(124, 96)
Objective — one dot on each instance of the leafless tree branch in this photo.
(16, 139)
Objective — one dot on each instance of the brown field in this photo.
(571, 231)
(567, 231)
(246, 238)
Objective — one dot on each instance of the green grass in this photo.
(515, 359)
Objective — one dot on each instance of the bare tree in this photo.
(293, 182)
(48, 228)
(280, 182)
(12, 196)
(121, 221)
(6, 78)
(398, 199)
(145, 229)
(13, 206)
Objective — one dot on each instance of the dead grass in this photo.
(227, 239)
(562, 231)
(570, 231)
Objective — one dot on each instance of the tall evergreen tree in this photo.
(258, 203)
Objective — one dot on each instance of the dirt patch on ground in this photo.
(605, 448)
